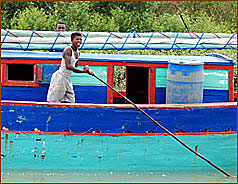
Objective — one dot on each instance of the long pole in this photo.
(180, 14)
(170, 133)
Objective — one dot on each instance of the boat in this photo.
(108, 122)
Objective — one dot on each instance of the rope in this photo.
(55, 41)
(106, 41)
(164, 35)
(4, 38)
(195, 35)
(200, 38)
(37, 34)
(60, 34)
(125, 41)
(216, 35)
(228, 41)
(148, 41)
(116, 35)
(174, 42)
(84, 41)
(29, 41)
(11, 32)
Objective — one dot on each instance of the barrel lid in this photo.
(186, 62)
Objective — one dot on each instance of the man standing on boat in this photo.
(61, 88)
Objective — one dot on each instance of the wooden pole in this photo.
(170, 133)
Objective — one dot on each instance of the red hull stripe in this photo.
(119, 134)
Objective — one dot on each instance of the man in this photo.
(61, 88)
(60, 26)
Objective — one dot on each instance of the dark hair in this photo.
(73, 35)
(60, 23)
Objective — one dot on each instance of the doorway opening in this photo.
(137, 84)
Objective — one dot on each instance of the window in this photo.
(21, 72)
(19, 75)
(119, 83)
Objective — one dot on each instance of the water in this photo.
(83, 158)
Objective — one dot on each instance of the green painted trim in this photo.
(161, 77)
(213, 79)
(216, 79)
(83, 79)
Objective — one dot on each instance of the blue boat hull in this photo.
(112, 118)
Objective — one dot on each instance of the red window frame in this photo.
(6, 82)
(151, 84)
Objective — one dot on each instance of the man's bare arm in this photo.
(67, 56)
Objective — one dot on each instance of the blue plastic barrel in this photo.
(184, 82)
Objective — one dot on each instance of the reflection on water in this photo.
(102, 176)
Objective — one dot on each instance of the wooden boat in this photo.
(98, 105)
(100, 112)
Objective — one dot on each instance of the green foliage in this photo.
(106, 6)
(98, 23)
(38, 19)
(120, 78)
(169, 23)
(75, 14)
(220, 11)
(143, 16)
(4, 19)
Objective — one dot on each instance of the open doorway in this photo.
(137, 84)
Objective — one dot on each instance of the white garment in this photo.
(63, 70)
(61, 89)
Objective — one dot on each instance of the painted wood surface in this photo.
(114, 118)
(83, 94)
(109, 58)
(34, 151)
(215, 86)
(216, 79)
(78, 79)
(213, 92)
(82, 79)
(47, 72)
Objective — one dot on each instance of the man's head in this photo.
(76, 39)
(60, 26)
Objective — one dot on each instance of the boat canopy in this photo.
(208, 59)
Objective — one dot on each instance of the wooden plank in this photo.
(161, 77)
(110, 81)
(40, 73)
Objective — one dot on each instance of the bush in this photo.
(32, 18)
(100, 23)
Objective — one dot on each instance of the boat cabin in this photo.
(26, 77)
